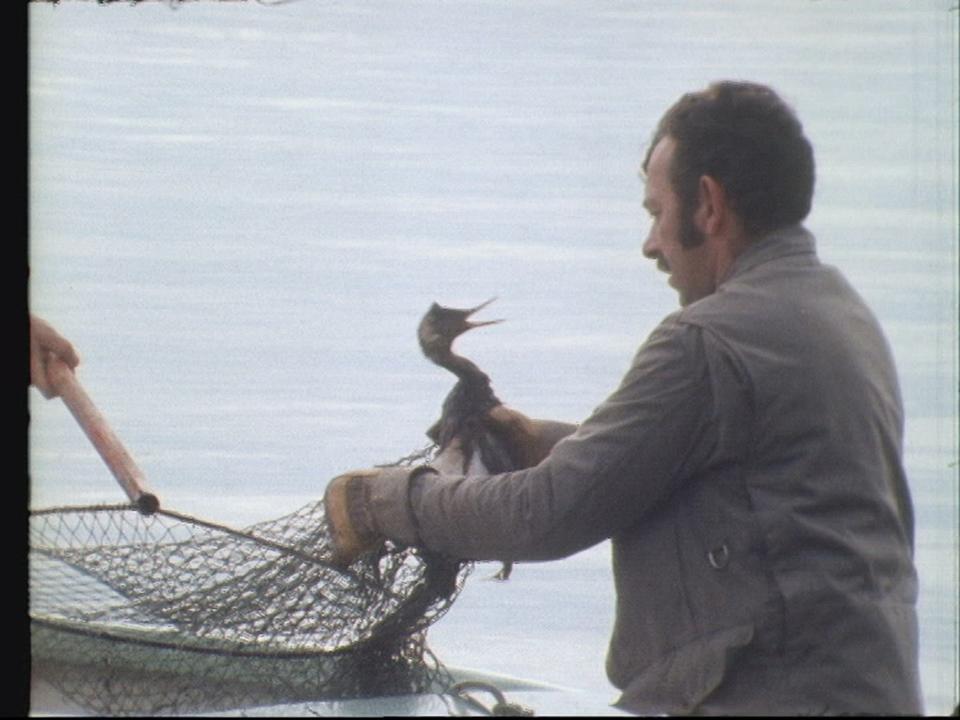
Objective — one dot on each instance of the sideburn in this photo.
(690, 235)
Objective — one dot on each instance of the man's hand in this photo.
(366, 507)
(528, 441)
(347, 506)
(45, 342)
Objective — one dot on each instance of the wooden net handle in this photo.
(95, 426)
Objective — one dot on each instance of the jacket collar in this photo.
(793, 240)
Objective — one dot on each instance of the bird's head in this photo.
(442, 325)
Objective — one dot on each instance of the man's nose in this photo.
(651, 249)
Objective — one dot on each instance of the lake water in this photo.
(239, 212)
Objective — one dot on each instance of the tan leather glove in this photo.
(366, 507)
(346, 503)
(527, 440)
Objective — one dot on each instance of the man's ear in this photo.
(712, 206)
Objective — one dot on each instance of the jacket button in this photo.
(719, 557)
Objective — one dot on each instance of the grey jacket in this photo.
(748, 471)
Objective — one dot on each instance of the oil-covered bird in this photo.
(461, 425)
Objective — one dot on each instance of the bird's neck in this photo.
(464, 369)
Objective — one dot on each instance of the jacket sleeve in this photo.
(634, 449)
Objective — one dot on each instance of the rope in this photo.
(500, 707)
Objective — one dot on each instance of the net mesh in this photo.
(170, 614)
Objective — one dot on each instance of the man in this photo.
(747, 470)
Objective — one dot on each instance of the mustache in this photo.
(663, 265)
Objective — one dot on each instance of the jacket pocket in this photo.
(680, 681)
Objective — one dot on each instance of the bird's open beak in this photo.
(479, 323)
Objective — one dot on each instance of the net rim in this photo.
(118, 634)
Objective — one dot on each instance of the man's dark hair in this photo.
(751, 142)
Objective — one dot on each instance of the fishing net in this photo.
(170, 614)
